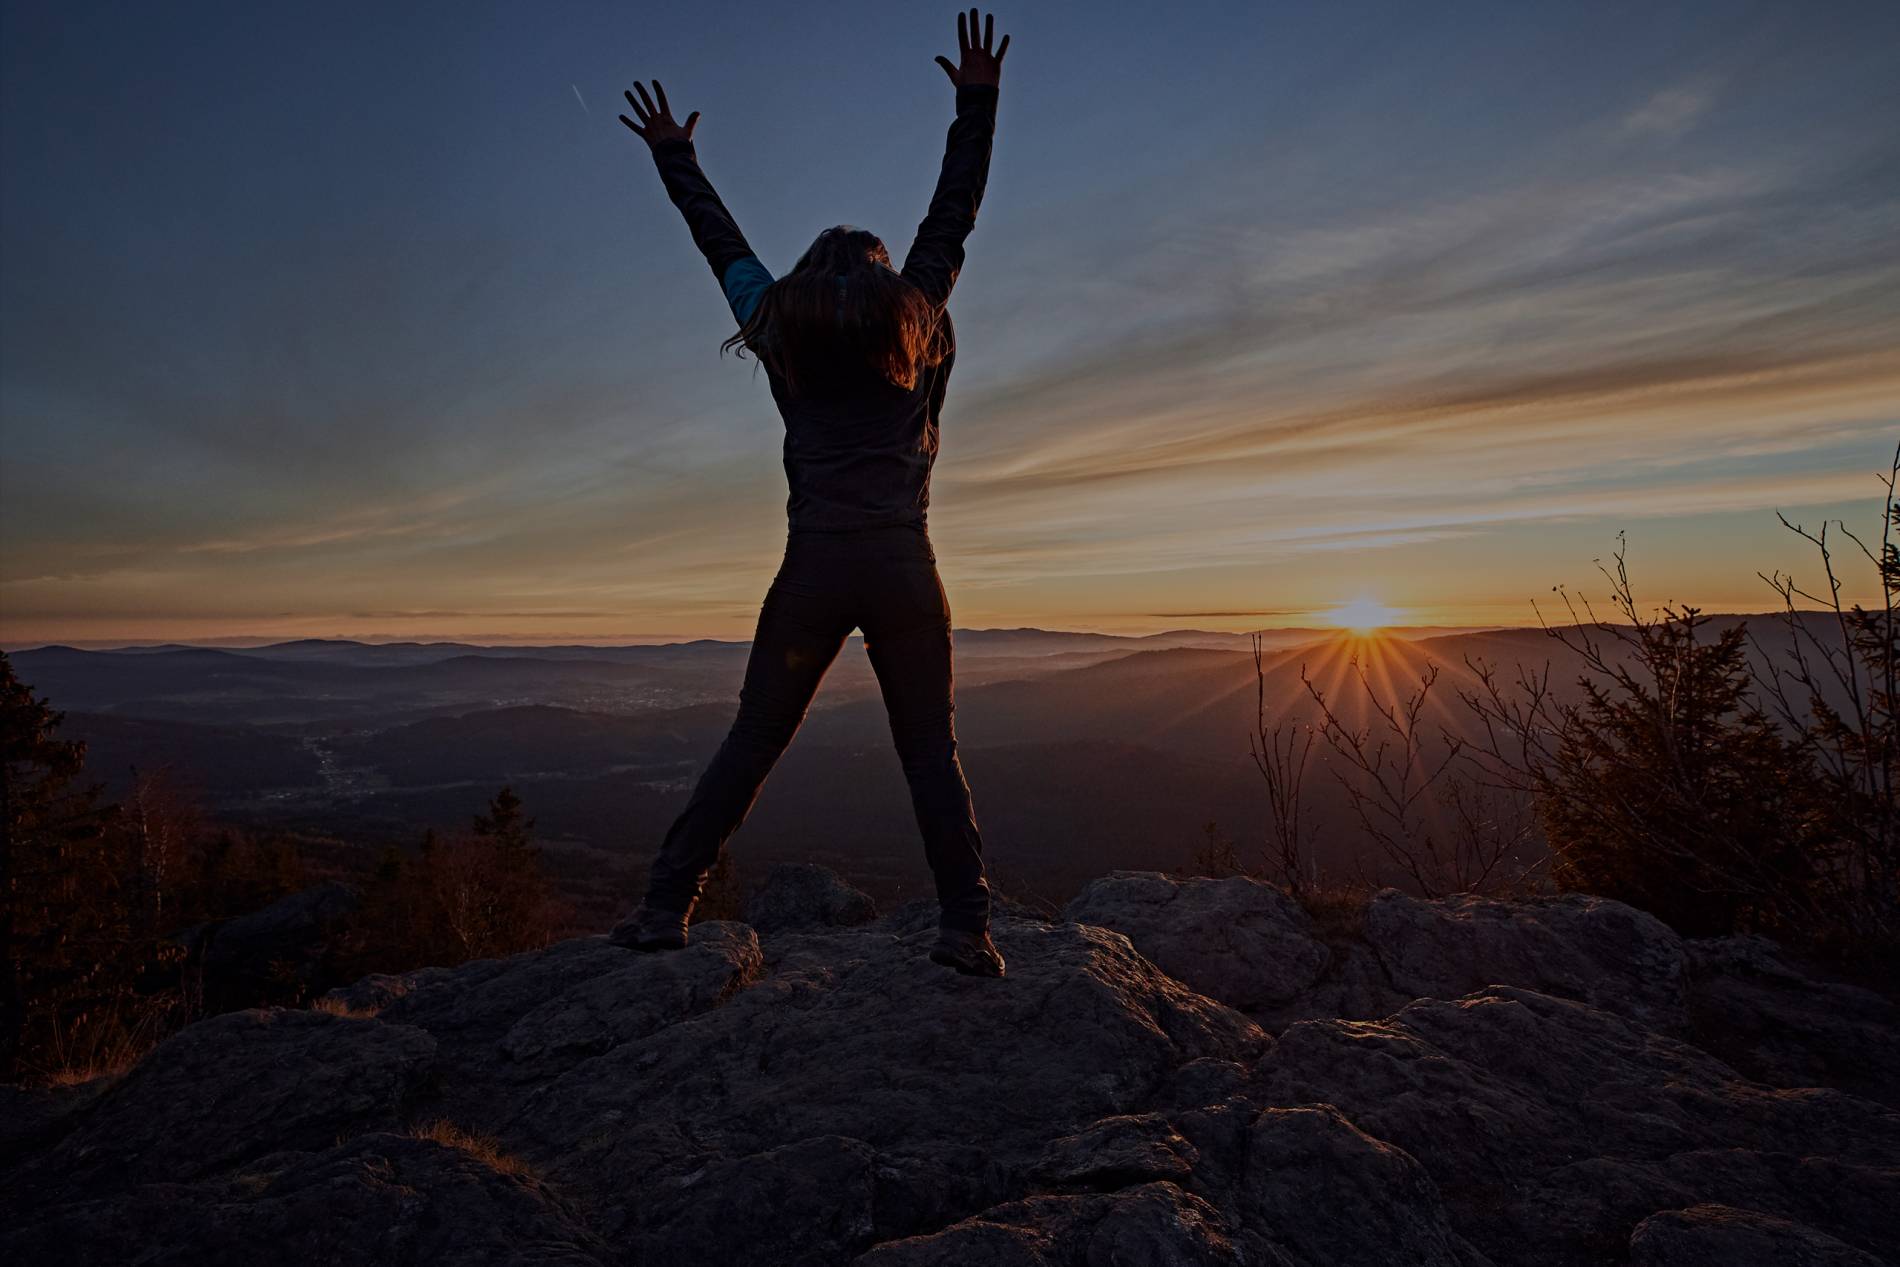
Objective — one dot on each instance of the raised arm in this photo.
(739, 273)
(936, 256)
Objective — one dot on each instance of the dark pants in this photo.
(884, 581)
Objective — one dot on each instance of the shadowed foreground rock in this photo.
(819, 1093)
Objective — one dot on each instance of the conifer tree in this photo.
(61, 915)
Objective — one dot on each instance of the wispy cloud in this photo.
(407, 519)
(1672, 111)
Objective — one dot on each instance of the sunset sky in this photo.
(372, 319)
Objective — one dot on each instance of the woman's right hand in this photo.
(980, 65)
(656, 122)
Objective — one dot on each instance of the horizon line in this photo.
(528, 641)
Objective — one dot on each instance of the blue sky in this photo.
(372, 319)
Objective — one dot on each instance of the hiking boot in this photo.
(651, 928)
(972, 954)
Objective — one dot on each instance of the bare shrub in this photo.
(1836, 694)
(1431, 815)
(1281, 747)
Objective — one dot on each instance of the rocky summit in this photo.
(1174, 1072)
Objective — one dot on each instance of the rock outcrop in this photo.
(276, 952)
(1778, 1025)
(1246, 944)
(1253, 947)
(804, 895)
(1181, 1072)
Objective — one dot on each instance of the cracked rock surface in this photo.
(1179, 1072)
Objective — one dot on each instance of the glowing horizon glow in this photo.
(1363, 615)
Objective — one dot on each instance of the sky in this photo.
(372, 320)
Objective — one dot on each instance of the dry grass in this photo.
(337, 1007)
(1338, 910)
(78, 1075)
(107, 1043)
(1010, 888)
(482, 1148)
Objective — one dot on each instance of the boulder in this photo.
(1237, 940)
(1550, 1123)
(1325, 1191)
(1574, 946)
(1787, 1027)
(805, 895)
(275, 954)
(1722, 1236)
(1306, 1187)
(238, 1086)
(1157, 1225)
(379, 1200)
(1253, 947)
(945, 1089)
(373, 993)
(1118, 1151)
(582, 994)
(507, 1026)
(34, 1118)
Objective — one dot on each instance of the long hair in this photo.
(841, 311)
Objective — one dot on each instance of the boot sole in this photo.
(966, 967)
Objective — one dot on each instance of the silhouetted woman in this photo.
(858, 356)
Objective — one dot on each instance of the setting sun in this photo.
(1363, 615)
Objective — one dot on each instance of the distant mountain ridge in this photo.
(1084, 751)
(975, 641)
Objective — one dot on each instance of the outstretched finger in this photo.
(948, 69)
(989, 31)
(638, 111)
(636, 129)
(661, 94)
(1001, 49)
(692, 121)
(963, 35)
(644, 99)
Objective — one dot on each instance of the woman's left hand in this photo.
(656, 122)
(982, 64)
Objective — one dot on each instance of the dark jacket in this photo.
(858, 455)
